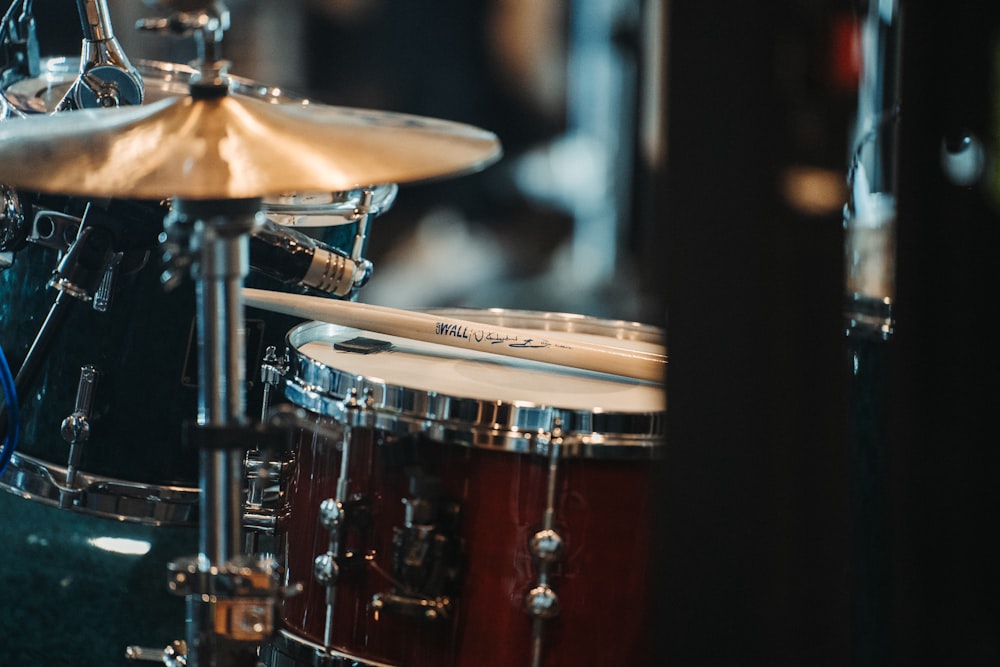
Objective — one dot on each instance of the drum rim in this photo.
(136, 502)
(383, 197)
(475, 422)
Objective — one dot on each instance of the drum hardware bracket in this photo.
(426, 557)
(261, 512)
(185, 24)
(107, 78)
(207, 24)
(261, 474)
(416, 607)
(365, 268)
(242, 594)
(84, 266)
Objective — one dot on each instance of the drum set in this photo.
(213, 454)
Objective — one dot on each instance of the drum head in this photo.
(481, 398)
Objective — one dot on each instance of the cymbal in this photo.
(233, 147)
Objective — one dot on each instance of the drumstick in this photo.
(521, 343)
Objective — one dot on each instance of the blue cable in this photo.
(13, 419)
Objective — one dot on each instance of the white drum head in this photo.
(433, 384)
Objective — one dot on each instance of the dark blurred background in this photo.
(691, 159)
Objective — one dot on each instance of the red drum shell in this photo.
(604, 515)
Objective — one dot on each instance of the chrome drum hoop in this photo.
(106, 497)
(513, 425)
(333, 208)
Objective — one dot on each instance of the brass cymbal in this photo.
(233, 147)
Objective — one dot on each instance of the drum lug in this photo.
(272, 370)
(75, 430)
(547, 548)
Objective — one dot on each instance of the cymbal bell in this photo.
(233, 147)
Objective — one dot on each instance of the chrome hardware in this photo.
(546, 546)
(363, 213)
(541, 602)
(327, 566)
(106, 290)
(427, 609)
(54, 229)
(272, 371)
(13, 229)
(261, 475)
(331, 513)
(107, 78)
(174, 655)
(263, 503)
(84, 267)
(75, 430)
(426, 555)
(241, 594)
(105, 497)
(214, 19)
(207, 25)
(325, 569)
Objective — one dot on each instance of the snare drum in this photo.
(467, 509)
(144, 348)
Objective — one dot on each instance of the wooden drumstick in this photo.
(521, 343)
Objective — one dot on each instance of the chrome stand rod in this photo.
(221, 232)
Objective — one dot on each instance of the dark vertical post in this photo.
(870, 229)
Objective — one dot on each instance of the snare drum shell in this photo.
(603, 512)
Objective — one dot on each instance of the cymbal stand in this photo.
(231, 597)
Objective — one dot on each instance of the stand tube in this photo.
(229, 599)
